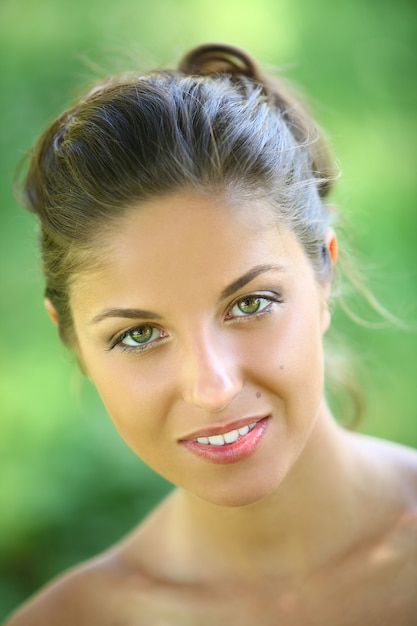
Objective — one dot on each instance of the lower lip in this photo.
(230, 452)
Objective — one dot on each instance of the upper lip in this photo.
(221, 429)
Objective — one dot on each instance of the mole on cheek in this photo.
(258, 394)
(281, 367)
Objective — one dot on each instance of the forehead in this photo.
(188, 240)
(191, 223)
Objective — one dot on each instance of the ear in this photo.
(332, 248)
(331, 244)
(50, 309)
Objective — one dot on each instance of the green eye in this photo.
(142, 335)
(139, 336)
(249, 305)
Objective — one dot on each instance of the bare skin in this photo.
(258, 573)
(316, 526)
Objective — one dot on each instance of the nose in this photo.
(211, 377)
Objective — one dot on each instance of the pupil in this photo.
(250, 305)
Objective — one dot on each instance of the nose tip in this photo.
(211, 393)
(211, 380)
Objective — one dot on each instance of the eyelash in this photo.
(270, 299)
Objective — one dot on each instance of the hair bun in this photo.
(215, 58)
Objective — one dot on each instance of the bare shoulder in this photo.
(380, 569)
(115, 587)
(398, 463)
(395, 466)
(91, 593)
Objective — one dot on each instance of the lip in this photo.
(229, 452)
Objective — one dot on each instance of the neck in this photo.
(301, 525)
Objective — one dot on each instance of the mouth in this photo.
(230, 443)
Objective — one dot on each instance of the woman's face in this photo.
(202, 332)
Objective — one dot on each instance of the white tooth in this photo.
(216, 440)
(231, 436)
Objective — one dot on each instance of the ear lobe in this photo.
(50, 309)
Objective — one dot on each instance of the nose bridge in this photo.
(210, 372)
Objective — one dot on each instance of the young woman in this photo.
(188, 258)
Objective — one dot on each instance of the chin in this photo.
(245, 493)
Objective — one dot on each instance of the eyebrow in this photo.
(133, 314)
(226, 293)
(247, 278)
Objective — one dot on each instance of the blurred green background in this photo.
(68, 485)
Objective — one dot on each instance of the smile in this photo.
(231, 446)
(229, 437)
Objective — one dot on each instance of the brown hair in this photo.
(215, 123)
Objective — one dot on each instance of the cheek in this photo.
(296, 339)
(134, 415)
(288, 358)
(140, 396)
(117, 398)
(131, 400)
